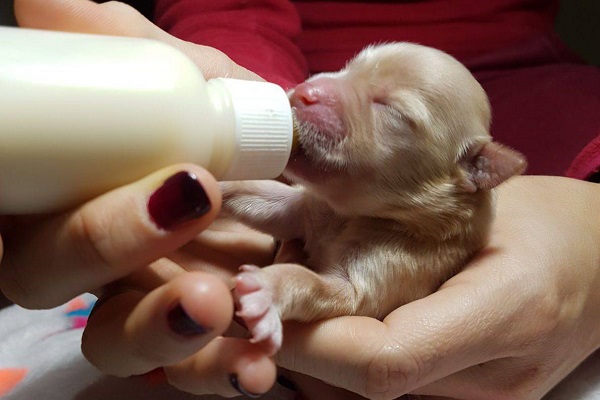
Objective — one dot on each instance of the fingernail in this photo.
(233, 379)
(182, 324)
(180, 199)
(286, 383)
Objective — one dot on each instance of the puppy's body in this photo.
(393, 190)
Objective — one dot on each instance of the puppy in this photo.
(392, 190)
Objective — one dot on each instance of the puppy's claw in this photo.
(247, 282)
(249, 268)
(256, 308)
(254, 304)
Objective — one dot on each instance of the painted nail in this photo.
(286, 383)
(181, 323)
(233, 379)
(180, 199)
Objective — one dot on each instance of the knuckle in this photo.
(147, 353)
(549, 323)
(214, 63)
(128, 20)
(549, 306)
(91, 238)
(148, 357)
(547, 313)
(390, 372)
(121, 8)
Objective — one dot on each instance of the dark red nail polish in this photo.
(180, 199)
(181, 323)
(235, 382)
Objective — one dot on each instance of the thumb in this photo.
(118, 19)
(109, 237)
(421, 342)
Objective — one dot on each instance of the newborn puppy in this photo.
(392, 196)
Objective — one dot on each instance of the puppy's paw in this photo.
(256, 308)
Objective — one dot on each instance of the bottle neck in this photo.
(255, 132)
(224, 138)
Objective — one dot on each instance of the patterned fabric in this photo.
(40, 359)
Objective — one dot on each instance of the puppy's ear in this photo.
(488, 165)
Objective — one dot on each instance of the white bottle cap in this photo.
(264, 129)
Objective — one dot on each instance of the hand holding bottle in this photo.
(114, 246)
(82, 114)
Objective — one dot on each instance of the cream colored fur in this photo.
(392, 193)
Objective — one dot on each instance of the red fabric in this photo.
(545, 102)
(258, 34)
(335, 30)
(587, 163)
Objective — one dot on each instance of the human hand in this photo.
(115, 245)
(157, 314)
(118, 19)
(512, 324)
(29, 241)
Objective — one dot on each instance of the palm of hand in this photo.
(504, 326)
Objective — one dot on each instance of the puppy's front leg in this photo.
(268, 206)
(266, 296)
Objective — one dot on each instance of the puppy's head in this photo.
(400, 125)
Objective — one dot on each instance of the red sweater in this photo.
(508, 44)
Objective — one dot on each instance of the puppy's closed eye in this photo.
(393, 193)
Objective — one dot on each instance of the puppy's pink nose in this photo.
(317, 102)
(304, 94)
(321, 90)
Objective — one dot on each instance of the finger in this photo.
(109, 237)
(219, 250)
(421, 342)
(225, 246)
(119, 19)
(133, 333)
(84, 16)
(355, 353)
(226, 366)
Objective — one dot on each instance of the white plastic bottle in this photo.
(81, 114)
